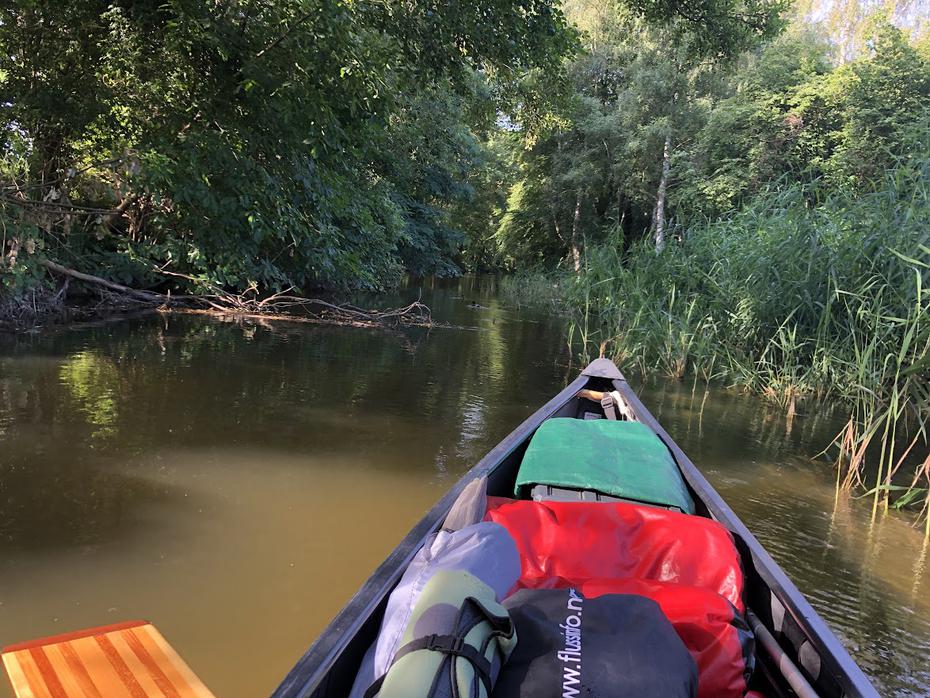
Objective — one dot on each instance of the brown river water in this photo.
(234, 484)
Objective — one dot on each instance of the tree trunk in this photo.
(576, 227)
(660, 197)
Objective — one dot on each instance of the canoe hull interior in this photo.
(328, 667)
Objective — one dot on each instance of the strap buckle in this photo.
(447, 644)
(607, 404)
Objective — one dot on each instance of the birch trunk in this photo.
(660, 196)
(576, 227)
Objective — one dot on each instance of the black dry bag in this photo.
(612, 646)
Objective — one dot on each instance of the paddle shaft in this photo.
(788, 669)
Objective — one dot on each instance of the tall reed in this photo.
(805, 296)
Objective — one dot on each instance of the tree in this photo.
(251, 143)
(716, 28)
(791, 117)
(606, 157)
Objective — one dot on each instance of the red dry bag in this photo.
(562, 544)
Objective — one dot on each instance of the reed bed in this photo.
(812, 299)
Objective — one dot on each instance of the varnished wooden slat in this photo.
(149, 664)
(57, 664)
(77, 671)
(144, 683)
(34, 680)
(98, 666)
(194, 687)
(181, 676)
(47, 672)
(17, 676)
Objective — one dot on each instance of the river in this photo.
(235, 483)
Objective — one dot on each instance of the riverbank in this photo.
(41, 308)
(806, 298)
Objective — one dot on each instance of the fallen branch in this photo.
(117, 212)
(91, 279)
(278, 306)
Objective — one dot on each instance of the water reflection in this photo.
(235, 483)
(93, 382)
(863, 576)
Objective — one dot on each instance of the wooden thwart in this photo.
(130, 660)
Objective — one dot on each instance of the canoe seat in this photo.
(612, 460)
(548, 493)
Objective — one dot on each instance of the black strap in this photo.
(375, 688)
(455, 645)
(447, 644)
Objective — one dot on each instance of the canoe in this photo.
(796, 652)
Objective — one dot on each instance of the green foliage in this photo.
(780, 263)
(285, 143)
(478, 216)
(792, 118)
(778, 116)
(717, 27)
(600, 150)
(306, 143)
(793, 301)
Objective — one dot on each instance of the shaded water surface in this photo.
(234, 484)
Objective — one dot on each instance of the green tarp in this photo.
(616, 458)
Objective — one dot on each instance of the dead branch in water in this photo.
(249, 305)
